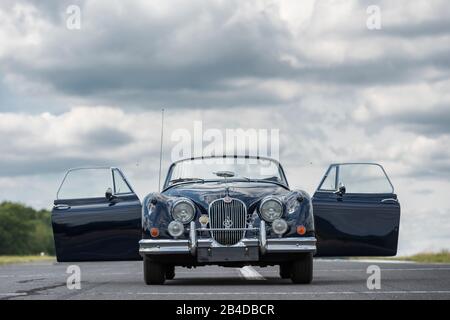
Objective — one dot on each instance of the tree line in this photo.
(24, 230)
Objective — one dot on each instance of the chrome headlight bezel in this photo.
(264, 215)
(178, 202)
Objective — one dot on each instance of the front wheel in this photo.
(154, 273)
(170, 272)
(302, 269)
(285, 270)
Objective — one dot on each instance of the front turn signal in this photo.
(301, 230)
(154, 232)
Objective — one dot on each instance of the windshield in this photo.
(218, 169)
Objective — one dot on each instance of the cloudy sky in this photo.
(336, 90)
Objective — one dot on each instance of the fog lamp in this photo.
(204, 219)
(279, 226)
(175, 228)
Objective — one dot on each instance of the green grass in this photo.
(24, 259)
(424, 257)
(429, 257)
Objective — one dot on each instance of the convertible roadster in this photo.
(230, 211)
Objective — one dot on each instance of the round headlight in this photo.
(271, 209)
(183, 211)
(279, 226)
(175, 228)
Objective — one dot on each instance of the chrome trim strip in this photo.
(193, 238)
(306, 244)
(61, 207)
(210, 243)
(164, 246)
(262, 237)
(389, 200)
(229, 229)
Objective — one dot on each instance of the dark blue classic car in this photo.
(230, 211)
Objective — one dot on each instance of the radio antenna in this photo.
(161, 148)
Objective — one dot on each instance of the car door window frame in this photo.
(337, 166)
(124, 179)
(325, 176)
(111, 169)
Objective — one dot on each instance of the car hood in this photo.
(204, 193)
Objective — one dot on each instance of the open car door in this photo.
(356, 212)
(96, 217)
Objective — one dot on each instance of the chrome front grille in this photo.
(225, 214)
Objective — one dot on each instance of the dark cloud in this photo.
(52, 10)
(219, 56)
(193, 57)
(435, 121)
(433, 28)
(38, 165)
(149, 57)
(439, 171)
(105, 137)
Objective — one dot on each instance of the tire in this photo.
(170, 272)
(302, 269)
(154, 273)
(285, 270)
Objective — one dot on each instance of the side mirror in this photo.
(109, 194)
(341, 190)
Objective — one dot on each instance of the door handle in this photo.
(389, 200)
(62, 207)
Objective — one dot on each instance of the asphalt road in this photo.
(333, 279)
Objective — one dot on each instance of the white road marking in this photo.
(250, 274)
(253, 271)
(13, 294)
(293, 293)
(382, 269)
(289, 293)
(62, 274)
(383, 261)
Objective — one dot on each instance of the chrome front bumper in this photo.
(195, 246)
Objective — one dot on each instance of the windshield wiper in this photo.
(272, 179)
(174, 181)
(277, 182)
(236, 178)
(242, 177)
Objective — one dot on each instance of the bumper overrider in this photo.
(208, 250)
